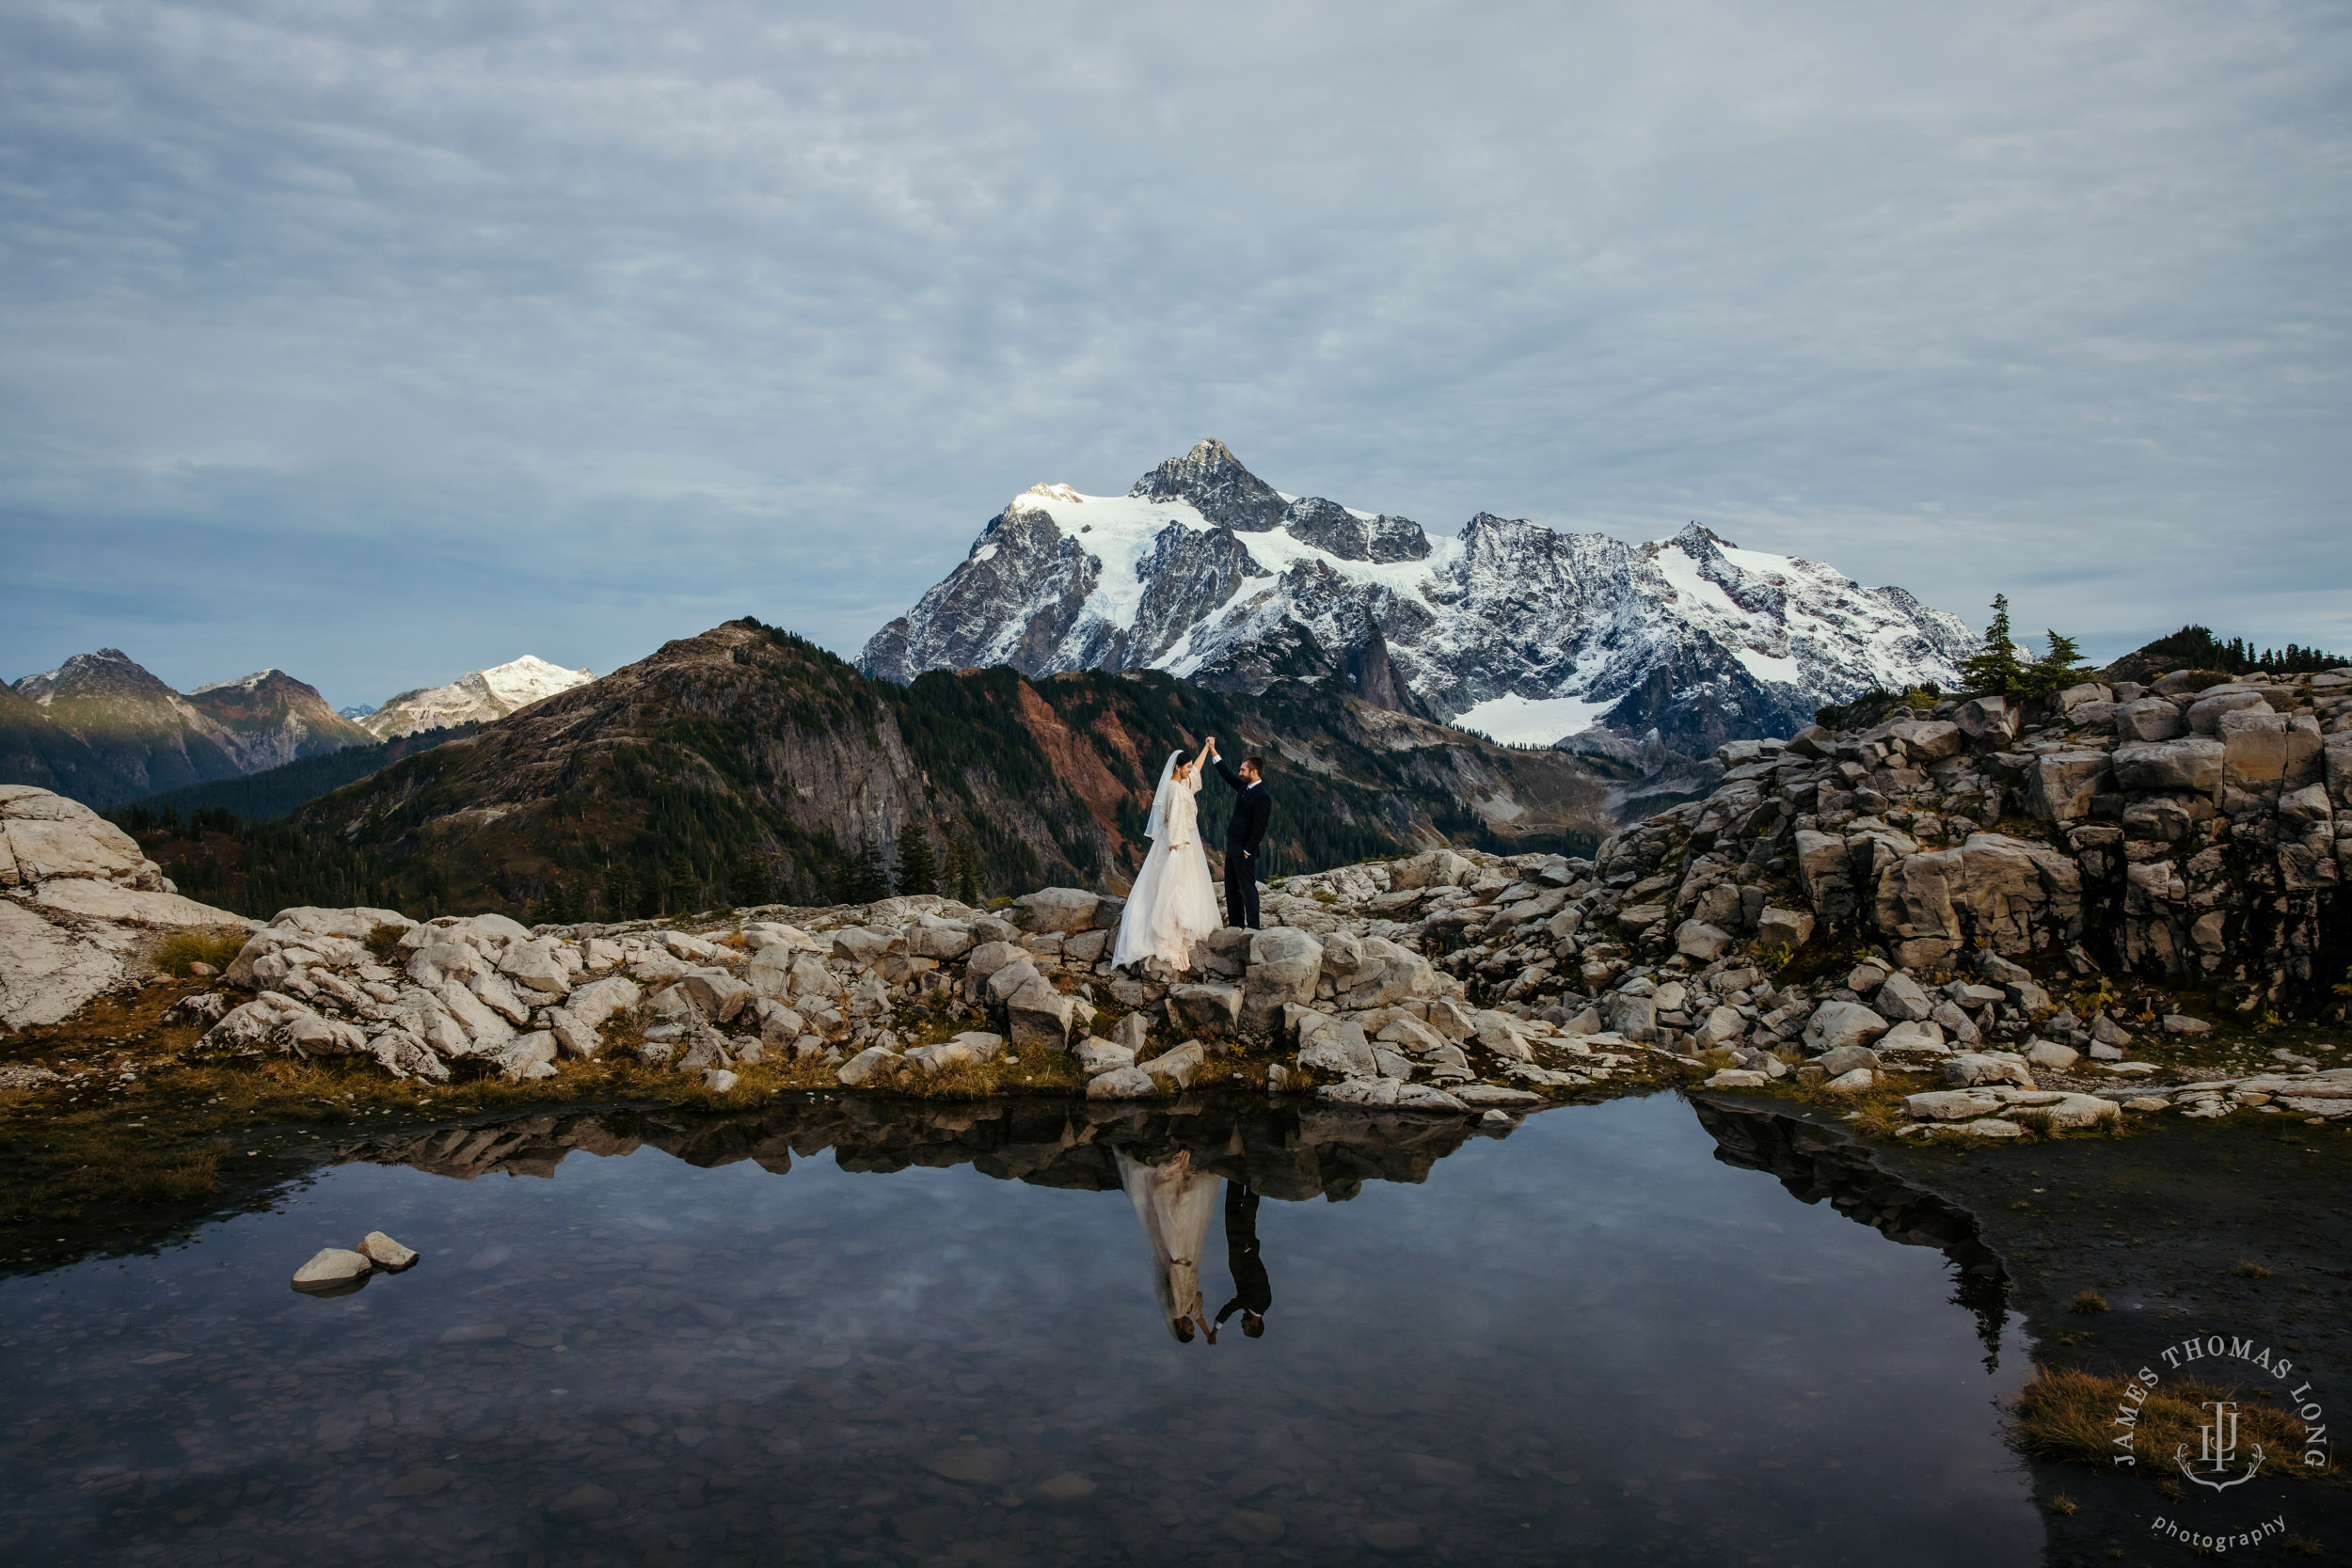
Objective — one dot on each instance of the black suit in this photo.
(1244, 836)
(1252, 1290)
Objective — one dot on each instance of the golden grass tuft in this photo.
(2068, 1415)
(206, 944)
(2087, 1300)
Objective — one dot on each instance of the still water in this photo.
(864, 1336)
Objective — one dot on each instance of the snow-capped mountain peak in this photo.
(1509, 626)
(242, 683)
(476, 697)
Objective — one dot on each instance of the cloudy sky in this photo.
(384, 341)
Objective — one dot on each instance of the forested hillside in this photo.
(747, 765)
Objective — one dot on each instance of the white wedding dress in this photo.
(1173, 904)
(1175, 1203)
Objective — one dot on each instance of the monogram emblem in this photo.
(2217, 1450)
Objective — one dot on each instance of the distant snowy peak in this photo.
(244, 683)
(120, 732)
(476, 697)
(1510, 627)
(108, 674)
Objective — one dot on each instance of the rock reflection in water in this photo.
(1172, 1163)
(1294, 1152)
(1816, 1164)
(1590, 1341)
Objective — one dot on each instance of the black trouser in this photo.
(1241, 887)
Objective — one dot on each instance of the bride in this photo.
(1173, 904)
(1175, 1203)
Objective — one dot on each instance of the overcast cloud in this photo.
(381, 343)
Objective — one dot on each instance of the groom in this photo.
(1244, 835)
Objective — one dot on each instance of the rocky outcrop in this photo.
(1349, 1008)
(79, 906)
(2186, 834)
(1508, 627)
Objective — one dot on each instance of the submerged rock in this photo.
(385, 1253)
(332, 1271)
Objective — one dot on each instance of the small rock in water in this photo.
(581, 1503)
(332, 1272)
(1067, 1487)
(384, 1252)
(970, 1465)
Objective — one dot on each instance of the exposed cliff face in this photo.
(269, 718)
(2191, 835)
(1509, 628)
(748, 743)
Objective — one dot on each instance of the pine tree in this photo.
(917, 871)
(748, 881)
(1995, 669)
(859, 875)
(964, 872)
(685, 888)
(2058, 668)
(620, 890)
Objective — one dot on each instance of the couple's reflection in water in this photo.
(1174, 1162)
(1175, 1200)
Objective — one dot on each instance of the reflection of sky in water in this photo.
(1590, 1342)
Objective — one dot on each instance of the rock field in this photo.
(1951, 902)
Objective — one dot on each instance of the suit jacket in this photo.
(1252, 806)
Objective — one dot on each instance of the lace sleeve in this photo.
(1193, 782)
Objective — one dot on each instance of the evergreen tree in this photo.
(748, 881)
(964, 872)
(685, 888)
(2058, 668)
(859, 875)
(917, 871)
(1994, 669)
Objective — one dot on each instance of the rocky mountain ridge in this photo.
(749, 756)
(1509, 628)
(103, 729)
